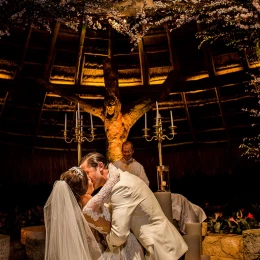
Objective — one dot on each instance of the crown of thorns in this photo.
(110, 102)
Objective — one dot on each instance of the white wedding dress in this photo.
(98, 210)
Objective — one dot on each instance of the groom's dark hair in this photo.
(93, 159)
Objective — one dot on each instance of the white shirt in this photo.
(133, 167)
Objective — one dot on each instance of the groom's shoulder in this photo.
(128, 179)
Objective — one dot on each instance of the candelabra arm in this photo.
(87, 139)
(169, 138)
(65, 138)
(146, 136)
(149, 140)
(92, 130)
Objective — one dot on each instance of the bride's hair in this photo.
(77, 180)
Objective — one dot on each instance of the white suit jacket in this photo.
(134, 207)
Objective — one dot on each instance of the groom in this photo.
(135, 208)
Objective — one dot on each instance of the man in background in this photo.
(129, 164)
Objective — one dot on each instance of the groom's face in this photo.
(96, 175)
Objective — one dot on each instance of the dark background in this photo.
(214, 173)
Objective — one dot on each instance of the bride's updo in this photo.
(77, 180)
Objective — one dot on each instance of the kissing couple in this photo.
(123, 221)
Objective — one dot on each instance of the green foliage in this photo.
(233, 223)
(251, 145)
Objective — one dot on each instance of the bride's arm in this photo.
(95, 210)
(94, 206)
(102, 221)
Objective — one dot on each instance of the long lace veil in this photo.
(68, 235)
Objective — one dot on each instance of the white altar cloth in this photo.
(186, 212)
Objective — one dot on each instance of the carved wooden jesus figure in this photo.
(117, 124)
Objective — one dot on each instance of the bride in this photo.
(71, 214)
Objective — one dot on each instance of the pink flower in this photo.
(218, 215)
(232, 220)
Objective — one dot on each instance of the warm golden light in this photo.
(6, 76)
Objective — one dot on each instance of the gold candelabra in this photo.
(78, 135)
(160, 136)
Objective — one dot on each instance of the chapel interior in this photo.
(41, 72)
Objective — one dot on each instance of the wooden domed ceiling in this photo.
(207, 107)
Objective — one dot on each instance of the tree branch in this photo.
(85, 105)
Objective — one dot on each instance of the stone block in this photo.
(34, 240)
(194, 247)
(4, 247)
(17, 251)
(223, 246)
(251, 240)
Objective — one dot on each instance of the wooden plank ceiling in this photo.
(206, 109)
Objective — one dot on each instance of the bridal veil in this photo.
(68, 235)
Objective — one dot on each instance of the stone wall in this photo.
(223, 246)
(251, 239)
(4, 247)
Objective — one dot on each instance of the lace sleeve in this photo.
(103, 223)
(94, 208)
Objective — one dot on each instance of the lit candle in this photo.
(65, 125)
(91, 122)
(157, 113)
(163, 183)
(81, 123)
(171, 118)
(145, 120)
